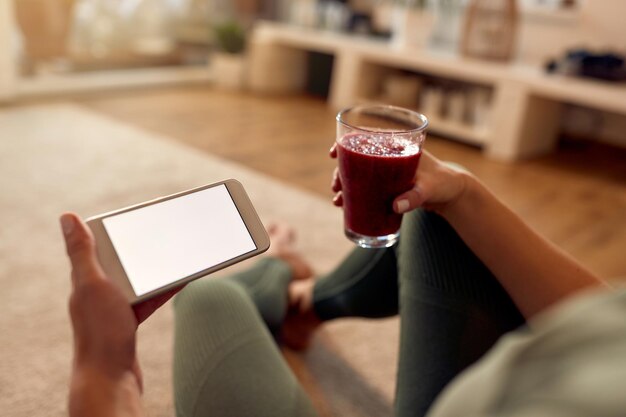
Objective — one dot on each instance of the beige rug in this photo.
(55, 158)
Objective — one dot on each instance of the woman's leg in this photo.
(365, 284)
(225, 360)
(452, 310)
(266, 283)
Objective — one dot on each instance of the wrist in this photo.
(96, 393)
(468, 189)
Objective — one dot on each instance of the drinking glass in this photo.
(378, 151)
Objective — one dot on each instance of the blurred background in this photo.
(66, 46)
(106, 103)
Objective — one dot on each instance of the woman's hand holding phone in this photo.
(106, 378)
(104, 309)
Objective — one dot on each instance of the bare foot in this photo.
(301, 321)
(283, 246)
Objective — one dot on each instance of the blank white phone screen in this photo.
(168, 241)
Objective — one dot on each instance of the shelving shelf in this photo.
(526, 102)
(97, 80)
(554, 14)
(472, 135)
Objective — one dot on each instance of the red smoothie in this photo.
(374, 170)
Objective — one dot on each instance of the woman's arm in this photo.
(535, 273)
(95, 394)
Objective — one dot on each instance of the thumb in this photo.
(81, 248)
(409, 200)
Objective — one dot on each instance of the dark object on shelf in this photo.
(360, 23)
(319, 70)
(585, 63)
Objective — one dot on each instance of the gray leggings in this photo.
(452, 309)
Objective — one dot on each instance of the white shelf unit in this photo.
(101, 80)
(473, 135)
(526, 102)
(560, 15)
(469, 134)
(374, 70)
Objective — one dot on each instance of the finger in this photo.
(81, 248)
(338, 199)
(408, 201)
(333, 150)
(336, 182)
(145, 309)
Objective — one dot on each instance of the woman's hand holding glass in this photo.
(438, 186)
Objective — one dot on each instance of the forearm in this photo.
(534, 272)
(93, 394)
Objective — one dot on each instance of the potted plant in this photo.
(228, 61)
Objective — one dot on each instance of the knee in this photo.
(420, 221)
(412, 221)
(211, 297)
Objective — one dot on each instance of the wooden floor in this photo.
(576, 197)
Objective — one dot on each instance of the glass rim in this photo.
(420, 116)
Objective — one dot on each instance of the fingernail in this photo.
(67, 224)
(402, 205)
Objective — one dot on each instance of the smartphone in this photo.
(149, 248)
